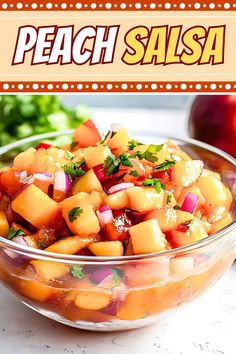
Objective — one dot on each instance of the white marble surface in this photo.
(206, 327)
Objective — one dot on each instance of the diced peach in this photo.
(221, 224)
(117, 200)
(35, 290)
(87, 183)
(85, 224)
(47, 271)
(185, 173)
(92, 300)
(87, 134)
(166, 217)
(144, 198)
(119, 140)
(193, 233)
(96, 155)
(4, 226)
(107, 248)
(9, 182)
(147, 237)
(136, 305)
(57, 154)
(70, 245)
(38, 164)
(214, 192)
(35, 206)
(24, 159)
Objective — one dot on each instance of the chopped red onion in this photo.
(99, 172)
(104, 208)
(105, 217)
(22, 176)
(120, 187)
(21, 241)
(99, 275)
(190, 203)
(44, 176)
(62, 182)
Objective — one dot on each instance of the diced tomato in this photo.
(43, 146)
(45, 237)
(164, 176)
(9, 182)
(119, 229)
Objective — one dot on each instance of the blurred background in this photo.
(210, 118)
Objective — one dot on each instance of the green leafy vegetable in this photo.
(134, 173)
(74, 213)
(149, 154)
(42, 244)
(169, 198)
(77, 271)
(133, 143)
(69, 155)
(14, 233)
(165, 165)
(74, 169)
(116, 276)
(73, 144)
(176, 207)
(154, 183)
(112, 163)
(26, 115)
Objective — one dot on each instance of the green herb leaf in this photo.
(169, 198)
(133, 143)
(112, 163)
(149, 154)
(125, 161)
(116, 276)
(69, 155)
(165, 165)
(176, 207)
(74, 213)
(134, 173)
(73, 144)
(14, 233)
(77, 271)
(154, 183)
(113, 134)
(42, 244)
(101, 142)
(74, 169)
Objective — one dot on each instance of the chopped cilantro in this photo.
(116, 276)
(113, 134)
(42, 244)
(74, 169)
(176, 207)
(69, 155)
(187, 223)
(149, 154)
(14, 233)
(169, 198)
(73, 144)
(134, 173)
(133, 143)
(165, 165)
(101, 142)
(154, 183)
(74, 213)
(77, 271)
(112, 163)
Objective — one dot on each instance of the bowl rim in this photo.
(88, 260)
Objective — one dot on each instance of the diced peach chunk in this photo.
(144, 198)
(87, 183)
(35, 206)
(92, 300)
(70, 245)
(119, 140)
(96, 155)
(147, 237)
(185, 173)
(4, 226)
(24, 159)
(117, 200)
(107, 248)
(47, 271)
(35, 290)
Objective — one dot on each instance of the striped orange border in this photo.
(118, 5)
(117, 87)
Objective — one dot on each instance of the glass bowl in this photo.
(140, 289)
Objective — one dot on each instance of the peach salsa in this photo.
(109, 196)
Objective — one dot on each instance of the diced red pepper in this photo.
(43, 146)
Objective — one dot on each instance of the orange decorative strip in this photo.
(117, 87)
(119, 5)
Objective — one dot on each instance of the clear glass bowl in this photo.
(150, 287)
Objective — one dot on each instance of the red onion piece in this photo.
(99, 275)
(104, 208)
(105, 217)
(22, 176)
(115, 127)
(44, 176)
(99, 172)
(111, 309)
(190, 203)
(21, 241)
(62, 182)
(120, 187)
